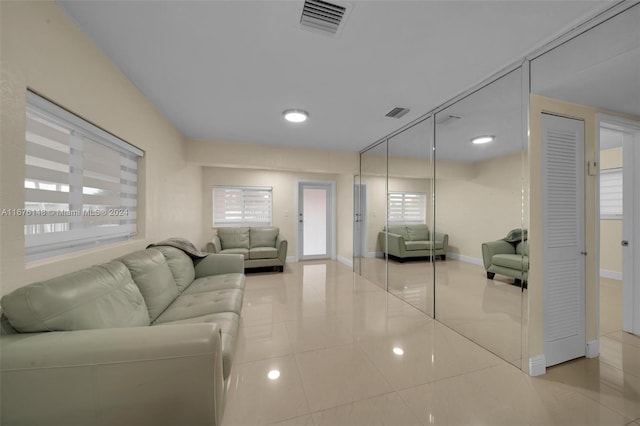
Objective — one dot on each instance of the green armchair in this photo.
(508, 256)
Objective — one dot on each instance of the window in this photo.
(80, 182)
(407, 207)
(611, 194)
(242, 205)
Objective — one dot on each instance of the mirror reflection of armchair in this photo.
(413, 240)
(508, 256)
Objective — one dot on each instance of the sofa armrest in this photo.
(492, 248)
(160, 375)
(393, 245)
(282, 246)
(217, 264)
(214, 246)
(441, 236)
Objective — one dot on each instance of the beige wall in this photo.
(611, 229)
(44, 50)
(538, 105)
(481, 203)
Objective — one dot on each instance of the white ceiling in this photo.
(225, 70)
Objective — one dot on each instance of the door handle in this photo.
(624, 243)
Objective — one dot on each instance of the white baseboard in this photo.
(345, 261)
(537, 365)
(467, 259)
(593, 348)
(292, 258)
(611, 274)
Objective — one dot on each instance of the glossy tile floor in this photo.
(321, 346)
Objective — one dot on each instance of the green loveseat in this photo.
(261, 246)
(508, 256)
(413, 240)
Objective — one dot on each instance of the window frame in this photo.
(247, 191)
(614, 176)
(88, 215)
(404, 195)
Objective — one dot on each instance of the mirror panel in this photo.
(479, 204)
(410, 214)
(373, 217)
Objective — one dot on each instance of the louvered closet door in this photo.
(563, 238)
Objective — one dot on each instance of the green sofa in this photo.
(261, 246)
(146, 339)
(413, 240)
(508, 256)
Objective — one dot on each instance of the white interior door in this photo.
(315, 220)
(563, 238)
(359, 220)
(631, 233)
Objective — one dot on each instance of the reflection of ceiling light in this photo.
(273, 374)
(295, 115)
(483, 139)
(398, 351)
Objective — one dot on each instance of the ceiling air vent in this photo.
(397, 112)
(322, 15)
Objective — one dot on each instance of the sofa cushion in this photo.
(418, 232)
(511, 261)
(234, 237)
(228, 323)
(152, 275)
(102, 296)
(399, 230)
(263, 236)
(216, 282)
(435, 245)
(243, 251)
(415, 245)
(180, 264)
(203, 303)
(263, 253)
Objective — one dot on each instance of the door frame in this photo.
(360, 221)
(331, 217)
(631, 286)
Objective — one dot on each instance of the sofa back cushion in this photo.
(399, 230)
(234, 237)
(103, 296)
(263, 236)
(152, 275)
(180, 264)
(523, 248)
(418, 232)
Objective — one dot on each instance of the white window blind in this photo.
(407, 207)
(80, 182)
(611, 194)
(242, 205)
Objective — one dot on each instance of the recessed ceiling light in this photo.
(483, 139)
(295, 115)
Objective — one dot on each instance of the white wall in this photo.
(44, 50)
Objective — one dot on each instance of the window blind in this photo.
(80, 182)
(242, 205)
(407, 207)
(611, 194)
